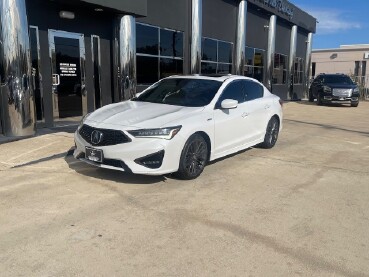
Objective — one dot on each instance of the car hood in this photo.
(140, 114)
(335, 85)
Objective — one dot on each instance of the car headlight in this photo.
(163, 133)
(355, 90)
(83, 120)
(327, 89)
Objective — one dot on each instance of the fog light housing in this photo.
(327, 98)
(152, 161)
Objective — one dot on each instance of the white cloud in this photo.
(332, 21)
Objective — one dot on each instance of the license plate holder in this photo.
(94, 155)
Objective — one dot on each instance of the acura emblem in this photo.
(96, 137)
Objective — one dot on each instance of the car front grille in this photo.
(109, 137)
(342, 92)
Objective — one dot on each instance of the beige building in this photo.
(348, 59)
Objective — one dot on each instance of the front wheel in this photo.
(354, 104)
(319, 100)
(193, 158)
(271, 134)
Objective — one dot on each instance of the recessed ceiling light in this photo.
(98, 9)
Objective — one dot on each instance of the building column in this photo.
(291, 62)
(270, 52)
(17, 99)
(125, 57)
(239, 57)
(196, 33)
(307, 68)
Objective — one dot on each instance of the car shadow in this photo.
(108, 174)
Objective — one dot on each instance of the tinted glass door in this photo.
(67, 53)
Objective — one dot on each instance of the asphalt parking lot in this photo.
(299, 209)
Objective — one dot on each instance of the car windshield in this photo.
(181, 92)
(337, 79)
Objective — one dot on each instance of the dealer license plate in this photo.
(95, 155)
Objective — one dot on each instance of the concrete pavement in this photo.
(301, 208)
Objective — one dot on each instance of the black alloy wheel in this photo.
(271, 135)
(193, 158)
(311, 97)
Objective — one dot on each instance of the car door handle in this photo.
(266, 107)
(245, 114)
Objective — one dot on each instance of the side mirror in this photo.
(229, 104)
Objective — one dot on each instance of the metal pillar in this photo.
(196, 32)
(125, 57)
(270, 52)
(307, 69)
(291, 62)
(239, 57)
(17, 98)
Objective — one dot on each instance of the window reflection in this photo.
(147, 39)
(280, 69)
(254, 59)
(299, 71)
(171, 43)
(216, 56)
(159, 53)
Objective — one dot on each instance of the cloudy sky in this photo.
(340, 21)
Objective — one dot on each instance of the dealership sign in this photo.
(279, 5)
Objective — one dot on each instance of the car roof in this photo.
(220, 78)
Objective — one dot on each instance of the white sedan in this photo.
(179, 124)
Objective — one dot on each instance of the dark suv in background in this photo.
(334, 88)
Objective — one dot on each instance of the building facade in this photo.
(348, 59)
(61, 59)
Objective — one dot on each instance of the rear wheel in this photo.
(271, 134)
(193, 158)
(311, 97)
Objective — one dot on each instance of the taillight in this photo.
(281, 102)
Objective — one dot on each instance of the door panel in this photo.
(67, 52)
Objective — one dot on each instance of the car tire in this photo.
(354, 104)
(193, 159)
(311, 97)
(319, 100)
(271, 134)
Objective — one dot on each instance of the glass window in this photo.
(224, 68)
(153, 64)
(235, 91)
(299, 72)
(147, 70)
(169, 67)
(147, 39)
(249, 56)
(208, 68)
(209, 50)
(253, 90)
(224, 52)
(216, 56)
(181, 92)
(254, 63)
(280, 69)
(171, 43)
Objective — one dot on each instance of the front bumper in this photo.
(127, 157)
(338, 99)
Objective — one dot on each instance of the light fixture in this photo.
(66, 14)
(98, 10)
